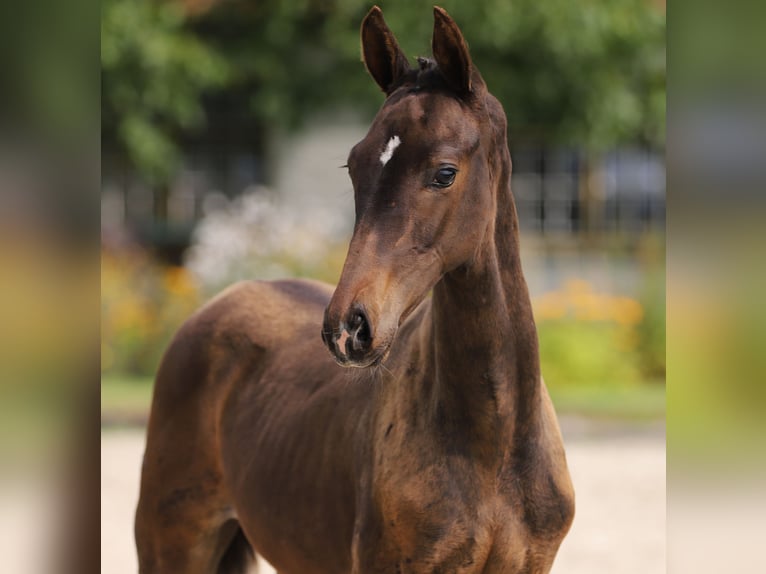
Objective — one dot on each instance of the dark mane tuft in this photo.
(425, 77)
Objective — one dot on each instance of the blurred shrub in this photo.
(154, 74)
(589, 338)
(257, 236)
(716, 345)
(142, 305)
(47, 331)
(651, 330)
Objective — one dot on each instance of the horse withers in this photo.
(425, 440)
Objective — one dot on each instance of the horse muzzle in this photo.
(350, 339)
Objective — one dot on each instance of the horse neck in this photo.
(486, 374)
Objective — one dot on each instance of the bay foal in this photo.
(441, 451)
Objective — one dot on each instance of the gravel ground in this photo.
(618, 473)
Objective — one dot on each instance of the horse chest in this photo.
(442, 533)
(437, 512)
(428, 516)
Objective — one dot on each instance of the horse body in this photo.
(440, 452)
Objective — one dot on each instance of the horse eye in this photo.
(444, 177)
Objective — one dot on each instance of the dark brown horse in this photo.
(440, 452)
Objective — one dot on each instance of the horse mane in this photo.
(427, 77)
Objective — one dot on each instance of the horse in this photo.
(425, 439)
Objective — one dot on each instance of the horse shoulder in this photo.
(236, 327)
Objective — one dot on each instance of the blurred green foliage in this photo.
(589, 73)
(574, 352)
(153, 73)
(716, 340)
(594, 339)
(143, 303)
(651, 331)
(48, 73)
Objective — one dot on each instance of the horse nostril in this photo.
(359, 328)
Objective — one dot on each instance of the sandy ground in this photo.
(619, 478)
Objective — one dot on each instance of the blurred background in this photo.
(224, 124)
(212, 113)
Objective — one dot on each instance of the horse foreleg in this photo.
(183, 527)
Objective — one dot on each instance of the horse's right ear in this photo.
(451, 52)
(380, 51)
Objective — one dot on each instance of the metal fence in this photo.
(557, 192)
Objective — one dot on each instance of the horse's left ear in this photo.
(451, 52)
(381, 53)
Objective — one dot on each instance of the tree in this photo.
(589, 74)
(154, 72)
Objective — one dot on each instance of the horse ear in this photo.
(380, 51)
(451, 52)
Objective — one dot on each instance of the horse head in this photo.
(423, 180)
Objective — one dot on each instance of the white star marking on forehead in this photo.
(392, 144)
